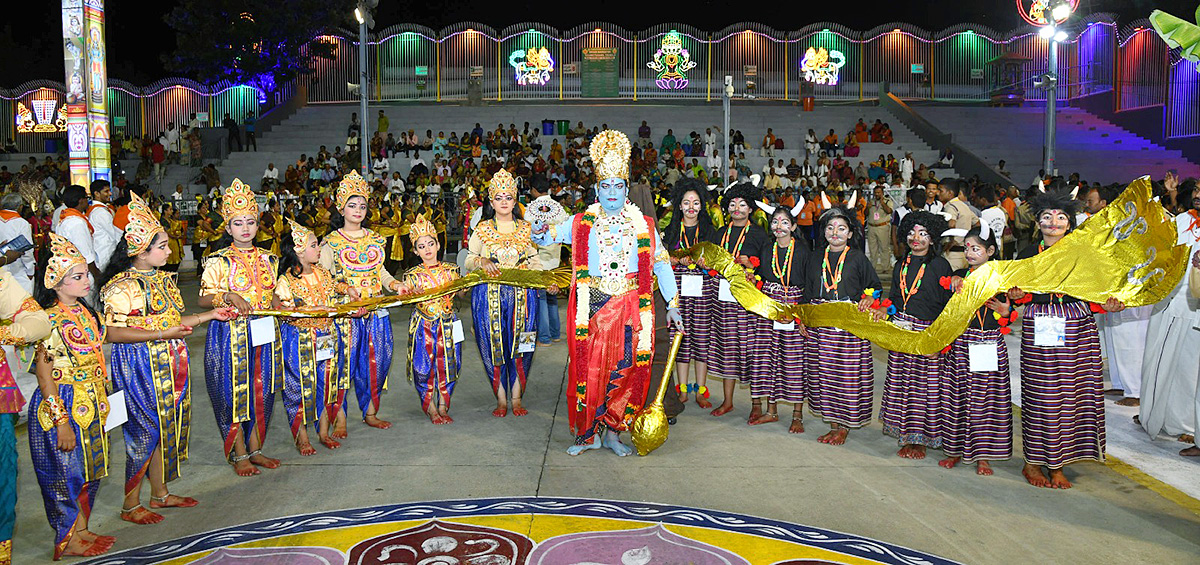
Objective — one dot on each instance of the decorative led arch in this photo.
(820, 66)
(672, 62)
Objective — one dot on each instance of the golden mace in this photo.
(649, 427)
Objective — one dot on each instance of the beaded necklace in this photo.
(784, 274)
(831, 285)
(683, 239)
(1041, 248)
(741, 239)
(907, 292)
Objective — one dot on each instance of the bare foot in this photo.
(140, 515)
(339, 426)
(764, 419)
(500, 411)
(1129, 402)
(244, 468)
(1192, 451)
(85, 548)
(1034, 476)
(89, 536)
(983, 468)
(912, 451)
(1058, 479)
(329, 442)
(375, 422)
(755, 412)
(518, 408)
(265, 462)
(797, 426)
(703, 402)
(949, 462)
(173, 501)
(305, 448)
(722, 410)
(1186, 438)
(836, 436)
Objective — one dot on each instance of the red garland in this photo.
(754, 262)
(1024, 300)
(1096, 308)
(945, 282)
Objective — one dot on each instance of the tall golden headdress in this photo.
(300, 236)
(63, 257)
(610, 155)
(502, 183)
(142, 225)
(421, 227)
(238, 201)
(352, 185)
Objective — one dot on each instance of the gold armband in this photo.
(51, 413)
(219, 300)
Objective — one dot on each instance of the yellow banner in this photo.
(1128, 250)
(560, 277)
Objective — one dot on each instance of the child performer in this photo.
(841, 375)
(1062, 382)
(975, 405)
(355, 255)
(690, 224)
(731, 322)
(775, 373)
(314, 349)
(242, 378)
(67, 411)
(434, 355)
(909, 409)
(143, 312)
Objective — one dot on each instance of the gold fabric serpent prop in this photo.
(1128, 251)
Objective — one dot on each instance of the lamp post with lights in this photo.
(363, 15)
(1052, 33)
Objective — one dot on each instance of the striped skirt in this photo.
(776, 357)
(841, 376)
(976, 407)
(910, 408)
(696, 312)
(731, 330)
(1062, 390)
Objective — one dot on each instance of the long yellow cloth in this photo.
(1128, 250)
(560, 277)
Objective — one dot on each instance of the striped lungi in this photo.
(731, 330)
(976, 407)
(910, 406)
(776, 356)
(696, 312)
(841, 376)
(1062, 390)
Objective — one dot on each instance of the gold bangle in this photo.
(219, 300)
(51, 413)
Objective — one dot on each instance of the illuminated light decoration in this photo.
(99, 145)
(46, 117)
(533, 66)
(1038, 12)
(75, 57)
(672, 62)
(820, 66)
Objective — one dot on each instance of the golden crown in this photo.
(610, 155)
(352, 185)
(238, 201)
(142, 225)
(63, 257)
(420, 227)
(300, 236)
(502, 183)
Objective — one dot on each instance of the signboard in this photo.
(119, 121)
(422, 71)
(918, 69)
(976, 73)
(599, 77)
(202, 117)
(750, 70)
(476, 71)
(187, 206)
(570, 69)
(42, 115)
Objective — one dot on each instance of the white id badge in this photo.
(1049, 331)
(691, 285)
(723, 293)
(117, 412)
(262, 331)
(325, 345)
(526, 342)
(903, 324)
(202, 245)
(456, 331)
(786, 326)
(381, 313)
(983, 357)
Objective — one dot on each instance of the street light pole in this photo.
(727, 137)
(1051, 108)
(364, 138)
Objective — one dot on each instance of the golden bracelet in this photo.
(219, 300)
(51, 413)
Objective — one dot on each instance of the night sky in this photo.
(30, 46)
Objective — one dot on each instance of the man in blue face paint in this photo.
(617, 255)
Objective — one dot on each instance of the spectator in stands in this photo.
(171, 138)
(195, 149)
(885, 135)
(668, 142)
(739, 141)
(907, 168)
(768, 145)
(380, 166)
(10, 146)
(439, 144)
(314, 177)
(860, 131)
(233, 134)
(382, 124)
(644, 134)
(945, 160)
(714, 164)
(158, 156)
(390, 147)
(352, 141)
(811, 143)
(1000, 168)
(711, 140)
(249, 123)
(851, 145)
(270, 177)
(830, 144)
(417, 164)
(877, 131)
